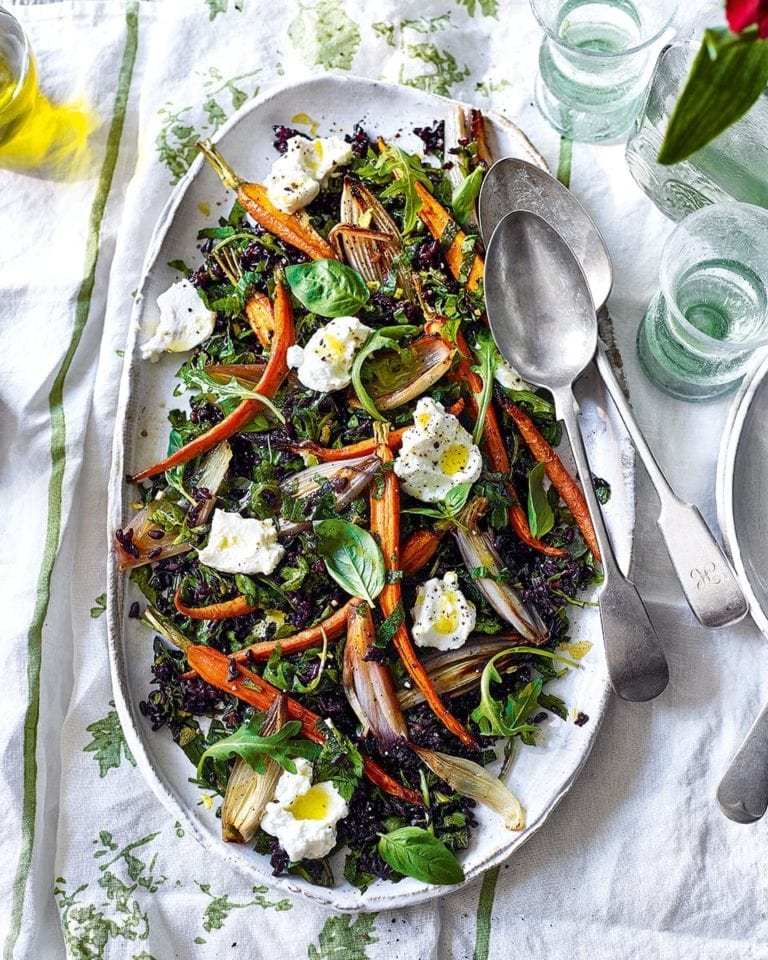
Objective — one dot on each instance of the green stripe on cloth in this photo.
(484, 908)
(55, 484)
(564, 163)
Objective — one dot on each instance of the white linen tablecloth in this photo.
(636, 862)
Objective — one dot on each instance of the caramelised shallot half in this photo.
(455, 672)
(248, 792)
(143, 541)
(347, 478)
(406, 374)
(373, 256)
(474, 781)
(479, 554)
(368, 684)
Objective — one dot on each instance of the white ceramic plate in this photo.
(541, 775)
(742, 478)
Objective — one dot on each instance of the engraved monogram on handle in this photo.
(706, 575)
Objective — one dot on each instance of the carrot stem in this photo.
(385, 524)
(563, 482)
(215, 668)
(275, 372)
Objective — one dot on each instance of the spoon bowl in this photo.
(542, 319)
(512, 184)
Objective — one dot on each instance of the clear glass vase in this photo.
(734, 166)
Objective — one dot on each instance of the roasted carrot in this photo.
(275, 372)
(333, 627)
(293, 228)
(236, 607)
(493, 444)
(261, 319)
(437, 220)
(385, 525)
(418, 550)
(363, 447)
(217, 668)
(563, 482)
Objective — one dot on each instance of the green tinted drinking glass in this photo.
(595, 62)
(702, 329)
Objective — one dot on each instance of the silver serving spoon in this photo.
(706, 577)
(543, 320)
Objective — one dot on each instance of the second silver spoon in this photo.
(543, 320)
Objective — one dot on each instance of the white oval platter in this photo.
(541, 775)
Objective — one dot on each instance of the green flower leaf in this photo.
(417, 853)
(327, 287)
(352, 557)
(728, 75)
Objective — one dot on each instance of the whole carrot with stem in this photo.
(294, 229)
(275, 372)
(562, 481)
(385, 526)
(333, 627)
(235, 607)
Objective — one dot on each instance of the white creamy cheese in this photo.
(185, 322)
(437, 454)
(303, 817)
(240, 545)
(325, 363)
(508, 377)
(296, 176)
(442, 616)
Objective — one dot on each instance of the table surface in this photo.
(637, 861)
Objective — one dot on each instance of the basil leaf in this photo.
(384, 338)
(352, 558)
(728, 75)
(327, 287)
(246, 742)
(465, 195)
(417, 853)
(541, 519)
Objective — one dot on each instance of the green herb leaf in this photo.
(389, 627)
(508, 719)
(339, 761)
(197, 379)
(401, 172)
(247, 587)
(246, 742)
(456, 498)
(532, 400)
(728, 75)
(352, 557)
(465, 195)
(384, 338)
(541, 518)
(489, 358)
(417, 853)
(327, 287)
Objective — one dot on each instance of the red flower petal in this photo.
(742, 13)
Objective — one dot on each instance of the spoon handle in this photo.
(743, 791)
(636, 662)
(707, 578)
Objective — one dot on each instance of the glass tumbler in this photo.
(18, 77)
(703, 327)
(595, 62)
(734, 166)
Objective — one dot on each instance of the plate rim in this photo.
(377, 898)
